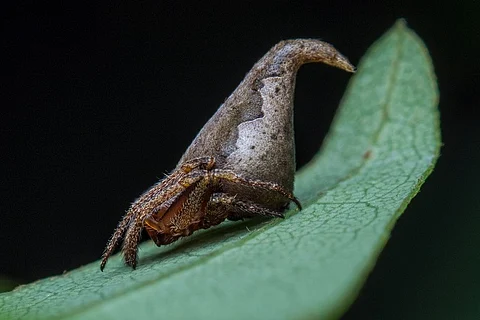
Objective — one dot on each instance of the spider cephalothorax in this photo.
(242, 162)
(190, 198)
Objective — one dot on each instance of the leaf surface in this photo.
(383, 143)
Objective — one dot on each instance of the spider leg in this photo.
(116, 238)
(149, 217)
(156, 225)
(228, 175)
(201, 163)
(185, 216)
(150, 207)
(130, 244)
(217, 210)
(222, 206)
(176, 218)
(154, 228)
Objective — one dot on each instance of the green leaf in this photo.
(383, 143)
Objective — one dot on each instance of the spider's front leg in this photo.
(155, 202)
(187, 213)
(181, 213)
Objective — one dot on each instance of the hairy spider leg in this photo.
(192, 212)
(151, 197)
(115, 239)
(206, 163)
(182, 185)
(154, 197)
(223, 206)
(230, 176)
(155, 224)
(186, 214)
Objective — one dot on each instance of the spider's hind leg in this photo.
(222, 175)
(224, 206)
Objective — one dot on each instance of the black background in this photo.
(99, 100)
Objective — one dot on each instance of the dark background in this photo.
(99, 100)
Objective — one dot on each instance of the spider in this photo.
(194, 196)
(240, 165)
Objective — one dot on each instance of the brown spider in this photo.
(192, 197)
(251, 164)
